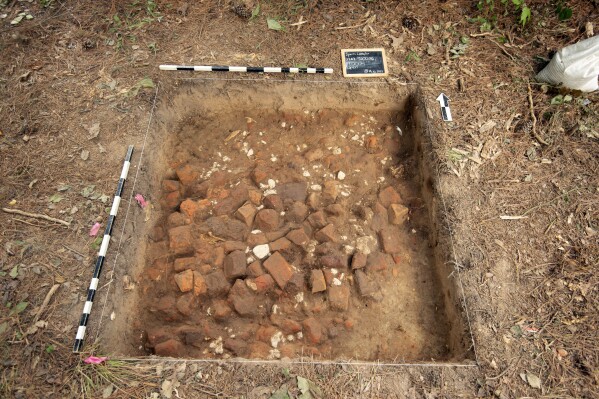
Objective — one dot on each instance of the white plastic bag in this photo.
(575, 66)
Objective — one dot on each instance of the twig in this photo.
(73, 251)
(531, 105)
(36, 215)
(46, 301)
(505, 371)
(502, 49)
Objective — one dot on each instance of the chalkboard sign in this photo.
(364, 62)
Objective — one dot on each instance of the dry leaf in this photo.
(533, 381)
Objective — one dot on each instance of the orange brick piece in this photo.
(279, 269)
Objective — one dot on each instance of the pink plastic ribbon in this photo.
(140, 200)
(94, 230)
(95, 360)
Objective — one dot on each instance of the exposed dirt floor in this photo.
(476, 254)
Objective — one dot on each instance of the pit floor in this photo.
(402, 319)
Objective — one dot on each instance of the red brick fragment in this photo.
(279, 269)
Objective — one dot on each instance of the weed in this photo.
(139, 14)
(412, 56)
(153, 48)
(460, 48)
(563, 12)
(92, 377)
(490, 12)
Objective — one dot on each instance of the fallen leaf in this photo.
(94, 230)
(274, 24)
(95, 360)
(55, 198)
(3, 327)
(488, 125)
(93, 131)
(281, 393)
(533, 380)
(87, 191)
(308, 388)
(84, 155)
(14, 272)
(19, 307)
(107, 391)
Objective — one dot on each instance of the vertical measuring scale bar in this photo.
(93, 286)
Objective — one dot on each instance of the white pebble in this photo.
(306, 174)
(340, 175)
(316, 187)
(336, 281)
(250, 152)
(283, 124)
(261, 251)
(271, 183)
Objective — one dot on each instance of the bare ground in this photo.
(530, 282)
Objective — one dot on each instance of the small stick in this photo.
(531, 105)
(45, 303)
(36, 215)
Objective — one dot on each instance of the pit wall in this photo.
(460, 337)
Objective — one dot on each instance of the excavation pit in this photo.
(295, 220)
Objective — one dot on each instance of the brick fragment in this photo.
(313, 330)
(267, 220)
(338, 297)
(199, 284)
(180, 240)
(389, 196)
(273, 201)
(170, 348)
(279, 269)
(235, 265)
(184, 280)
(327, 234)
(358, 260)
(390, 240)
(216, 283)
(317, 281)
(298, 237)
(280, 245)
(186, 303)
(246, 213)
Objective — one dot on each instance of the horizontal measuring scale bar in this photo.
(216, 68)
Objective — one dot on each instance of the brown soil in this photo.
(529, 283)
(351, 174)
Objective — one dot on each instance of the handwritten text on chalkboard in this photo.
(366, 62)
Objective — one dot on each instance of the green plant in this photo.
(490, 13)
(460, 48)
(137, 15)
(563, 12)
(412, 56)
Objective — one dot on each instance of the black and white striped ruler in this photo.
(93, 286)
(445, 111)
(216, 68)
